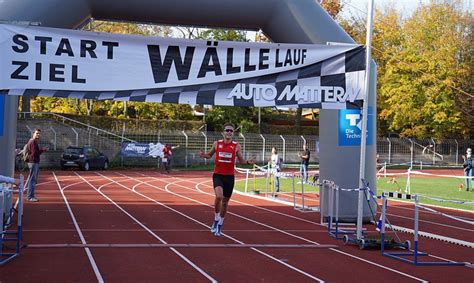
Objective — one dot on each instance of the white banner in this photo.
(78, 64)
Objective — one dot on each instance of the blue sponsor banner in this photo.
(350, 125)
(2, 113)
(142, 150)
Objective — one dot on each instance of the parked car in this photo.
(85, 157)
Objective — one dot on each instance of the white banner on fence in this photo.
(78, 64)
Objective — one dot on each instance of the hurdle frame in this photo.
(7, 257)
(415, 253)
(303, 208)
(333, 224)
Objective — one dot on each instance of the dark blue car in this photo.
(85, 157)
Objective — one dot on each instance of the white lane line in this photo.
(205, 225)
(206, 229)
(432, 223)
(79, 232)
(279, 230)
(282, 231)
(146, 228)
(397, 206)
(276, 212)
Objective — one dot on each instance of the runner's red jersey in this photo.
(225, 158)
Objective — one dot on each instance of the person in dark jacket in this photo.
(34, 152)
(304, 155)
(468, 168)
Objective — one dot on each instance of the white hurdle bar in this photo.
(415, 253)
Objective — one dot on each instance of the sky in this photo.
(406, 7)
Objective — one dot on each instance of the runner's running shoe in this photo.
(214, 226)
(218, 231)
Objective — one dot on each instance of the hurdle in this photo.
(6, 188)
(415, 253)
(333, 224)
(303, 208)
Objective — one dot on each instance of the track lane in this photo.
(437, 242)
(48, 222)
(291, 256)
(218, 262)
(326, 268)
(146, 263)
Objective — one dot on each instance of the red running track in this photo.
(145, 207)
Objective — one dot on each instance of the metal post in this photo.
(365, 107)
(457, 151)
(121, 144)
(284, 147)
(389, 150)
(322, 207)
(408, 185)
(294, 192)
(302, 196)
(123, 131)
(267, 177)
(205, 149)
(186, 151)
(244, 146)
(337, 206)
(263, 149)
(331, 208)
(77, 136)
(382, 229)
(55, 140)
(337, 214)
(259, 119)
(415, 238)
(434, 151)
(246, 179)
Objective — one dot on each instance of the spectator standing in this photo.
(304, 156)
(168, 156)
(468, 168)
(275, 166)
(33, 160)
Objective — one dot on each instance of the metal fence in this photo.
(412, 151)
(253, 145)
(58, 132)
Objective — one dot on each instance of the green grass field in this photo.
(260, 184)
(446, 189)
(435, 187)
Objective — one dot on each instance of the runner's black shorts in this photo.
(224, 181)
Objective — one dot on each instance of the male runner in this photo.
(226, 151)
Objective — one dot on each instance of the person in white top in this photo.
(468, 168)
(275, 165)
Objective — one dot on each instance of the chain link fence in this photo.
(59, 132)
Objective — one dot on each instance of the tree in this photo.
(333, 7)
(418, 91)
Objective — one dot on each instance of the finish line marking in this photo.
(279, 246)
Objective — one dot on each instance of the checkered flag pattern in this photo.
(346, 71)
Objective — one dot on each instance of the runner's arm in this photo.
(241, 158)
(210, 153)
